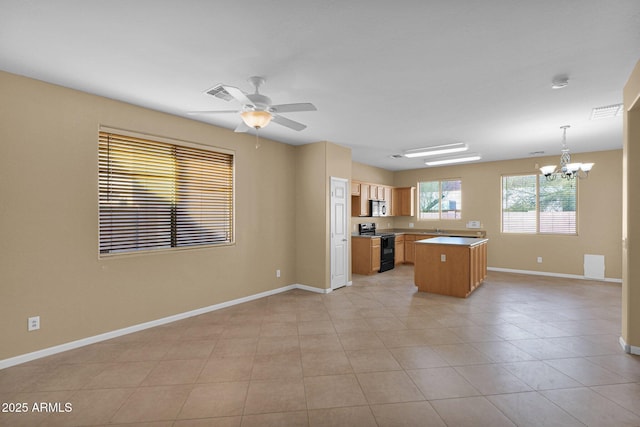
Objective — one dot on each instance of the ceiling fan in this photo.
(257, 111)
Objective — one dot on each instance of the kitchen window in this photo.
(532, 204)
(440, 199)
(162, 194)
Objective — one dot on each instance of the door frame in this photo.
(347, 242)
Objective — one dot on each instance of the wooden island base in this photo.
(453, 266)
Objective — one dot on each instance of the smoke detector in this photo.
(560, 82)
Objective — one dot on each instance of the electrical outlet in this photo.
(443, 257)
(410, 225)
(539, 260)
(277, 273)
(34, 323)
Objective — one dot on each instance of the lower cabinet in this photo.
(365, 255)
(399, 249)
(409, 248)
(375, 255)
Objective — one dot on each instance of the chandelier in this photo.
(567, 169)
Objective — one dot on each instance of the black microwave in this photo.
(377, 208)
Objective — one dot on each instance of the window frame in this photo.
(538, 178)
(173, 143)
(439, 218)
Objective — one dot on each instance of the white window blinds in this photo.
(532, 204)
(158, 195)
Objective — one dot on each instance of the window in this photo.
(531, 204)
(440, 199)
(159, 195)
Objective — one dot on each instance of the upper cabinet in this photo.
(355, 188)
(403, 201)
(360, 201)
(362, 192)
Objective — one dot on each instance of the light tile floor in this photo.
(522, 350)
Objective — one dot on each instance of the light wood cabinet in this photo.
(399, 249)
(365, 255)
(375, 255)
(355, 188)
(386, 194)
(409, 248)
(373, 192)
(450, 269)
(410, 245)
(400, 201)
(403, 201)
(360, 203)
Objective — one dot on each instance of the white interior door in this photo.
(339, 233)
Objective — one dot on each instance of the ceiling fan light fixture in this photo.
(256, 119)
(437, 150)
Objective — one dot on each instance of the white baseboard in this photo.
(312, 289)
(630, 349)
(23, 358)
(546, 273)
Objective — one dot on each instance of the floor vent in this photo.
(594, 267)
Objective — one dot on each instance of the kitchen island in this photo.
(453, 266)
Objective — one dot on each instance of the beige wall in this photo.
(599, 214)
(49, 263)
(372, 174)
(631, 213)
(316, 164)
(311, 209)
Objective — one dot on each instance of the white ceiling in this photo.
(386, 76)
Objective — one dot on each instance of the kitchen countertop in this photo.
(470, 233)
(459, 241)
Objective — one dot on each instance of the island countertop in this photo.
(458, 241)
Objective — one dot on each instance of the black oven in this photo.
(387, 251)
(387, 245)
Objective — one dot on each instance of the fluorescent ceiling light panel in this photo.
(606, 112)
(437, 150)
(451, 160)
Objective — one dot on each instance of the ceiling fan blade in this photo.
(288, 123)
(242, 127)
(213, 112)
(291, 108)
(239, 95)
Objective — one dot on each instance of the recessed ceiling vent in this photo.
(606, 112)
(219, 92)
